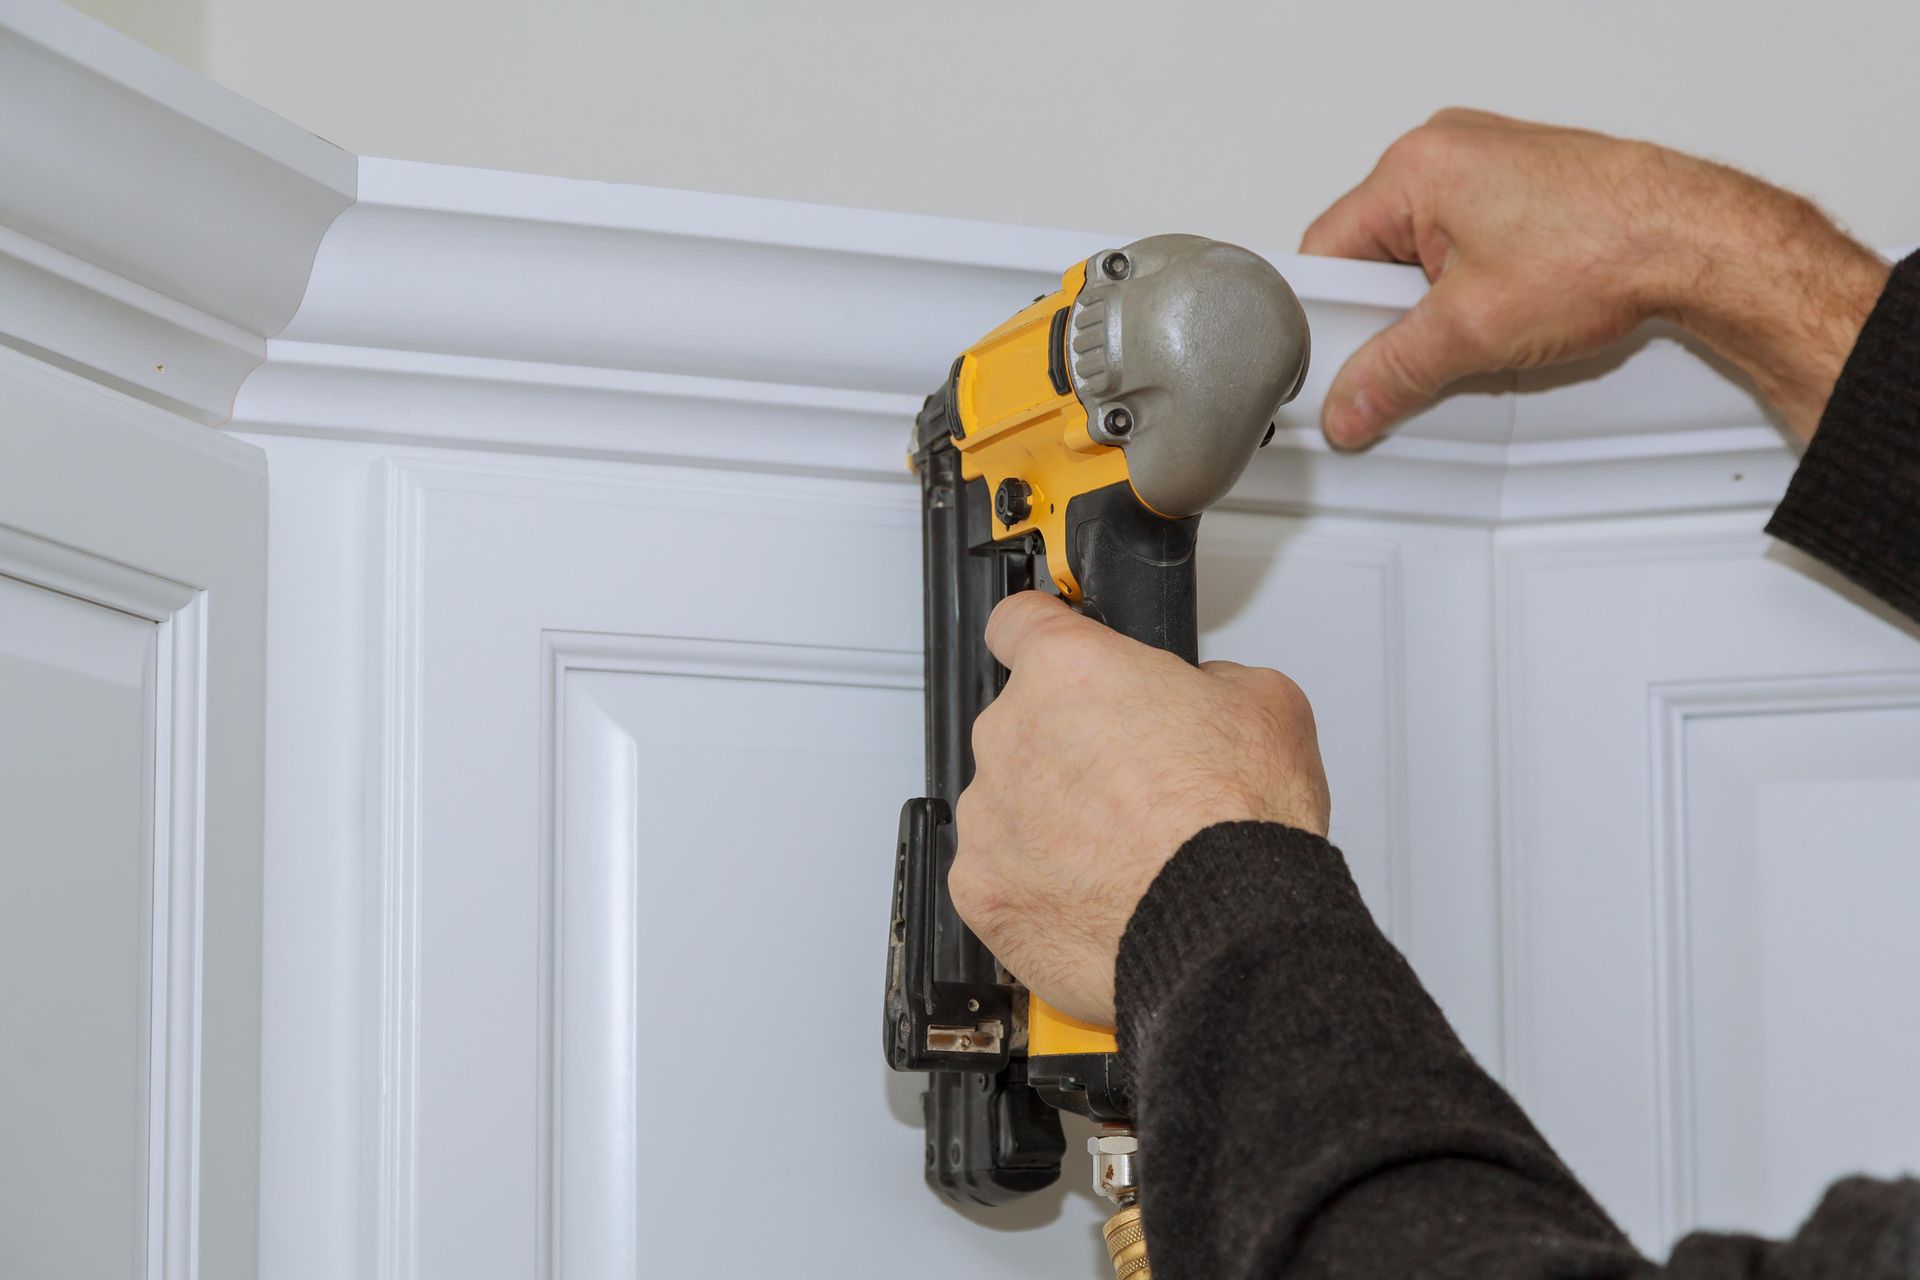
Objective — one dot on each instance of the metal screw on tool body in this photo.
(1118, 422)
(1116, 266)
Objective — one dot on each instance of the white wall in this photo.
(1237, 118)
(174, 27)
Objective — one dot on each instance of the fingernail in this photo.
(1349, 420)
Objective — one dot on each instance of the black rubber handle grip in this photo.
(1135, 568)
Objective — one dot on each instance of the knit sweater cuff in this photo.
(1232, 880)
(1854, 499)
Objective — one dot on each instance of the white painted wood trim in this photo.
(394, 889)
(158, 264)
(556, 316)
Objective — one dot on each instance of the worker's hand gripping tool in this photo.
(1074, 446)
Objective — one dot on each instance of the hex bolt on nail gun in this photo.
(1076, 445)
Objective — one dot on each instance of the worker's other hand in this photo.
(1546, 244)
(1097, 762)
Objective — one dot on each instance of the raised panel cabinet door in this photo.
(131, 665)
(1711, 828)
(647, 732)
(76, 679)
(1800, 866)
(644, 736)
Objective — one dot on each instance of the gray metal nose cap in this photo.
(1199, 343)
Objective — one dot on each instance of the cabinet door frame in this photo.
(113, 502)
(1663, 621)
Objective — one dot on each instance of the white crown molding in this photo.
(548, 315)
(154, 227)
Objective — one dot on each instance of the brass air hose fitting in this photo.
(1127, 1245)
(1116, 1152)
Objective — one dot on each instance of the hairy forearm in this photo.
(1761, 276)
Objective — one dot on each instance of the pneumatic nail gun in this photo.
(1071, 449)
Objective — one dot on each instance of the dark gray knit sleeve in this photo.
(1855, 500)
(1305, 1110)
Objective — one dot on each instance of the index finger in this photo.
(1373, 221)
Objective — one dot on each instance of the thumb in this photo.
(1401, 370)
(1021, 619)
